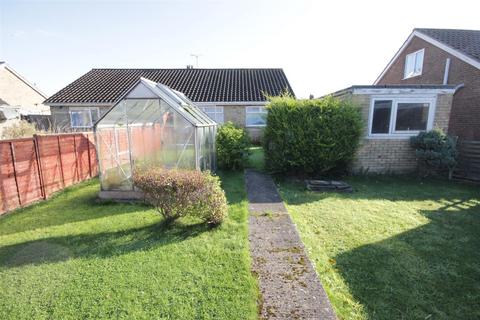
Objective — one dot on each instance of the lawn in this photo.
(73, 257)
(396, 248)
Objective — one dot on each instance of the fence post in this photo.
(76, 160)
(39, 166)
(12, 153)
(88, 152)
(61, 163)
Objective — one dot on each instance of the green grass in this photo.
(72, 257)
(256, 159)
(396, 248)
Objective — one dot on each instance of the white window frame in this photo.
(219, 110)
(396, 134)
(73, 110)
(416, 55)
(263, 110)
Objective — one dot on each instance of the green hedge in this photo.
(311, 136)
(232, 147)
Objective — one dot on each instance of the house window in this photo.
(382, 111)
(401, 116)
(413, 64)
(411, 116)
(215, 113)
(256, 116)
(83, 117)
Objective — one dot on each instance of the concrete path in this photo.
(288, 283)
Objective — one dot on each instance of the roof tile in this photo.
(465, 41)
(200, 85)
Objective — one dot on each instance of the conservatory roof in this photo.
(147, 89)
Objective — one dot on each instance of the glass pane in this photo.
(256, 119)
(382, 110)
(184, 143)
(411, 116)
(209, 109)
(409, 65)
(114, 159)
(418, 62)
(94, 114)
(80, 118)
(219, 118)
(116, 116)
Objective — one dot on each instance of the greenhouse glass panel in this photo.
(152, 125)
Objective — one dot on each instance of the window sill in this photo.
(405, 136)
(412, 76)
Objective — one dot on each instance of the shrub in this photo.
(232, 147)
(21, 129)
(176, 193)
(315, 135)
(436, 151)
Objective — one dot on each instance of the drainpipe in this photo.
(447, 70)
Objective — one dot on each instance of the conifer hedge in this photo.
(311, 136)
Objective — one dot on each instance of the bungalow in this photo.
(237, 95)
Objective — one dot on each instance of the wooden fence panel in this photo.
(27, 173)
(50, 163)
(468, 160)
(83, 161)
(69, 159)
(8, 187)
(32, 169)
(92, 155)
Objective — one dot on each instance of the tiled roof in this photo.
(465, 41)
(200, 85)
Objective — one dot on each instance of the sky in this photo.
(323, 46)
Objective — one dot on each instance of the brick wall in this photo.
(386, 155)
(465, 115)
(237, 115)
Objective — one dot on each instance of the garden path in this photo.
(289, 286)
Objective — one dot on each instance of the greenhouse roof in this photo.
(147, 89)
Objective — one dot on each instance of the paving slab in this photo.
(288, 282)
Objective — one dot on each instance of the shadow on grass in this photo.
(74, 204)
(101, 245)
(429, 272)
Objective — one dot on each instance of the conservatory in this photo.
(151, 125)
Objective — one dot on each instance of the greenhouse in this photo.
(151, 125)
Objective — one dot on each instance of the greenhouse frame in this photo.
(151, 125)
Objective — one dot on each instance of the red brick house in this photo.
(442, 57)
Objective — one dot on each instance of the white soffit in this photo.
(406, 91)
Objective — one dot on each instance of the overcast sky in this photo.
(323, 46)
